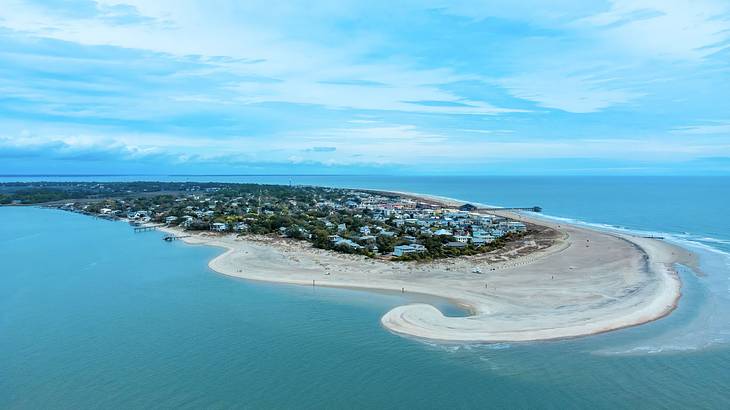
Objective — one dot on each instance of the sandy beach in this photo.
(586, 282)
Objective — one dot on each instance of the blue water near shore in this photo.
(95, 316)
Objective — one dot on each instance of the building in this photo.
(401, 250)
(462, 238)
(468, 208)
(481, 239)
(456, 245)
(218, 227)
(514, 226)
(170, 219)
(348, 243)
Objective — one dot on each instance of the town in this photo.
(349, 221)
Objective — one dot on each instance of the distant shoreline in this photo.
(568, 290)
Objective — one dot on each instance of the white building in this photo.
(462, 238)
(218, 227)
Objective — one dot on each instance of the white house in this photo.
(462, 238)
(218, 227)
(443, 232)
(341, 228)
(170, 219)
(482, 239)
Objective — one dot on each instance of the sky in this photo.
(412, 87)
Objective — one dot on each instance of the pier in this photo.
(146, 228)
(531, 209)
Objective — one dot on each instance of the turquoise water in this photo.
(95, 316)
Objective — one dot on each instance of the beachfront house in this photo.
(514, 226)
(481, 239)
(218, 227)
(170, 219)
(347, 243)
(401, 250)
(240, 226)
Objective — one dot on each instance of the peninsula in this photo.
(520, 276)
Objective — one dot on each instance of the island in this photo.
(520, 276)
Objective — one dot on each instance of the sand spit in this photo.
(587, 282)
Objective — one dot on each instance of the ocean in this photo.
(93, 315)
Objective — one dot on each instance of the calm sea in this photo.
(95, 316)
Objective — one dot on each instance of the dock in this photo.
(146, 228)
(175, 237)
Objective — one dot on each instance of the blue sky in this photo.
(407, 87)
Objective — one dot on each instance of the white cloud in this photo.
(568, 91)
(306, 72)
(676, 29)
(713, 128)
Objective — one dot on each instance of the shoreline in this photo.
(635, 282)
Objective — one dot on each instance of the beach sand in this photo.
(587, 282)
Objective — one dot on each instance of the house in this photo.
(514, 226)
(462, 238)
(410, 239)
(348, 243)
(456, 245)
(170, 219)
(188, 221)
(482, 239)
(341, 228)
(240, 226)
(443, 232)
(218, 227)
(365, 230)
(401, 250)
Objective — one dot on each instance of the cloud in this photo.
(414, 84)
(677, 30)
(713, 128)
(321, 149)
(568, 91)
